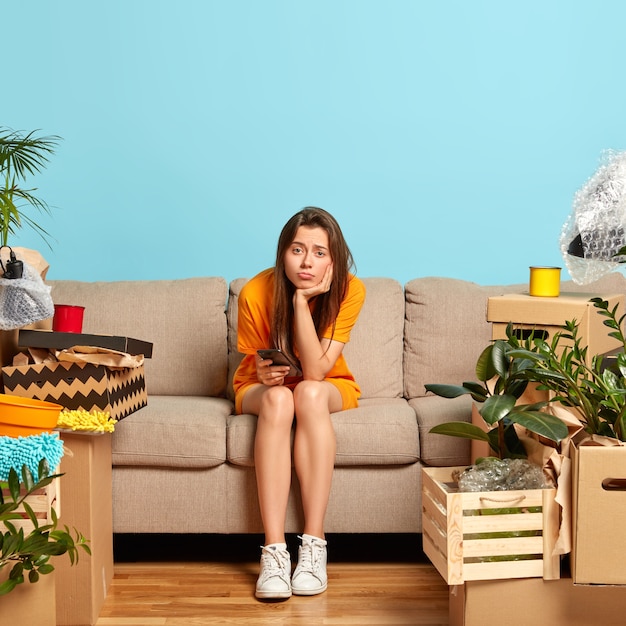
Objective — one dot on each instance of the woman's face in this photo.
(308, 256)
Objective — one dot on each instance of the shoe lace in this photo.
(274, 563)
(310, 555)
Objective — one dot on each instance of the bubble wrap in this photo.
(599, 218)
(24, 300)
(492, 474)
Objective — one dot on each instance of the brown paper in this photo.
(556, 464)
(599, 440)
(84, 354)
(100, 356)
(35, 355)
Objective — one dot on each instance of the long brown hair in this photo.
(326, 307)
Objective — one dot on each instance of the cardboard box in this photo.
(87, 506)
(535, 601)
(8, 346)
(547, 315)
(488, 535)
(62, 341)
(33, 603)
(29, 604)
(79, 386)
(598, 514)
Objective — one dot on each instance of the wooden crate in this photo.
(488, 535)
(41, 502)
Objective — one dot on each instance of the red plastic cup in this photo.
(68, 318)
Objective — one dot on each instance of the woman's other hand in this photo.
(269, 374)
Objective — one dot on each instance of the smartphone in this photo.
(279, 358)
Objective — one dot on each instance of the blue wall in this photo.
(448, 138)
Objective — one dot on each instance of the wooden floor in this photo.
(213, 584)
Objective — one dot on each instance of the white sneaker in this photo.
(309, 577)
(274, 577)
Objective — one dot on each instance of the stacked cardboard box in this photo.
(535, 601)
(87, 506)
(598, 515)
(546, 316)
(86, 386)
(594, 591)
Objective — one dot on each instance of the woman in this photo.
(306, 306)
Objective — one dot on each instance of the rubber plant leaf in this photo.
(496, 408)
(543, 424)
(460, 429)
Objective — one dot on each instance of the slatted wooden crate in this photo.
(488, 535)
(41, 502)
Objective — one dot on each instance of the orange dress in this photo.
(253, 333)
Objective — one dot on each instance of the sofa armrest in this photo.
(442, 450)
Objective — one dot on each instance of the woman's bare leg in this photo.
(314, 449)
(272, 454)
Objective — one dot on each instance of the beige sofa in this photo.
(184, 463)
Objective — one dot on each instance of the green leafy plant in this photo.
(31, 552)
(21, 154)
(594, 385)
(502, 380)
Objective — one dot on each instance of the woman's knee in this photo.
(311, 394)
(277, 406)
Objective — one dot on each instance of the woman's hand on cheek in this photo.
(322, 287)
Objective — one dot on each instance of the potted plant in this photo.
(30, 553)
(21, 154)
(594, 386)
(502, 373)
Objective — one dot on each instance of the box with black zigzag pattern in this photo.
(79, 386)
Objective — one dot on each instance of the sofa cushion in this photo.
(438, 348)
(185, 320)
(174, 431)
(379, 432)
(374, 352)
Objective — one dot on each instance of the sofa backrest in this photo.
(430, 332)
(184, 319)
(446, 326)
(374, 352)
